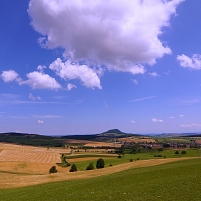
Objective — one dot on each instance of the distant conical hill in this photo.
(113, 131)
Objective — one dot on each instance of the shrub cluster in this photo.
(159, 155)
(100, 163)
(53, 170)
(73, 168)
(90, 166)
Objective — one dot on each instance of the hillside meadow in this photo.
(148, 174)
(178, 180)
(83, 160)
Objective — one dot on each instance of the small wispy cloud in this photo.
(172, 117)
(186, 101)
(190, 102)
(156, 120)
(167, 72)
(59, 97)
(19, 117)
(78, 102)
(133, 122)
(181, 115)
(14, 99)
(40, 122)
(46, 116)
(154, 74)
(190, 125)
(135, 81)
(105, 104)
(32, 97)
(1, 114)
(41, 68)
(142, 99)
(71, 86)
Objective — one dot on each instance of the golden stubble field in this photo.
(137, 139)
(28, 159)
(25, 165)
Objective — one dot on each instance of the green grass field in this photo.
(169, 182)
(143, 155)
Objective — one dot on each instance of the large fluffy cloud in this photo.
(186, 62)
(39, 80)
(122, 35)
(68, 70)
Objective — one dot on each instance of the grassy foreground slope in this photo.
(174, 181)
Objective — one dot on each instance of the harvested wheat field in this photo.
(102, 144)
(136, 140)
(28, 159)
(75, 141)
(10, 153)
(19, 180)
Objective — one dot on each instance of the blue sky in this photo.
(86, 67)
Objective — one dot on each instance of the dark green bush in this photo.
(183, 152)
(100, 163)
(90, 166)
(53, 170)
(73, 168)
(176, 152)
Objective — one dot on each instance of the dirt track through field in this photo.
(8, 180)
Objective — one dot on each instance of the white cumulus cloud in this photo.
(9, 76)
(68, 71)
(194, 62)
(122, 35)
(39, 80)
(36, 80)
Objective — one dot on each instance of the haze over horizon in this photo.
(84, 67)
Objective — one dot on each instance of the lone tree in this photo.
(100, 163)
(183, 152)
(176, 152)
(53, 170)
(90, 166)
(73, 168)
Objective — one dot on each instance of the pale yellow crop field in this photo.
(102, 144)
(136, 139)
(28, 159)
(11, 153)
